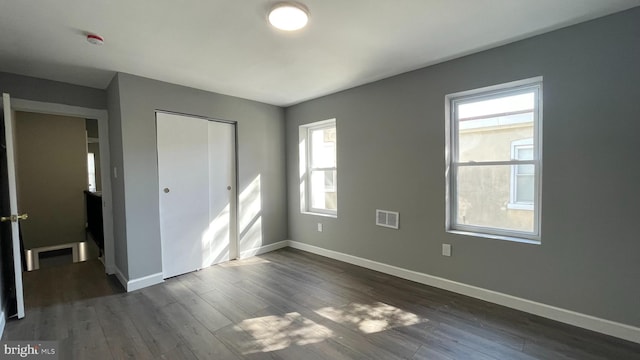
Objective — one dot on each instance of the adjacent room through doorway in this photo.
(52, 176)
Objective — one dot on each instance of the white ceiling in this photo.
(227, 46)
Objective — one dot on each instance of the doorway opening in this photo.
(59, 188)
(17, 254)
(97, 142)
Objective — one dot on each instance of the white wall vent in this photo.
(390, 219)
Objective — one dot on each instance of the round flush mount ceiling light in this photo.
(289, 16)
(95, 39)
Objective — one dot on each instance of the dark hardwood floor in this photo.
(286, 304)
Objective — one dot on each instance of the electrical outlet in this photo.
(446, 249)
(319, 227)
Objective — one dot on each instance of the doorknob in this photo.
(14, 218)
(166, 190)
(228, 187)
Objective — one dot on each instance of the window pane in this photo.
(496, 105)
(330, 181)
(483, 196)
(323, 148)
(528, 169)
(525, 188)
(486, 128)
(524, 153)
(323, 191)
(91, 169)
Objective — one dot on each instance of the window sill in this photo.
(515, 206)
(496, 237)
(335, 216)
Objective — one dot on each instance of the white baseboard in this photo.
(608, 327)
(143, 282)
(264, 249)
(139, 283)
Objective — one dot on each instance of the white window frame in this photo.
(514, 204)
(452, 156)
(306, 170)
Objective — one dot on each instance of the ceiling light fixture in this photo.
(95, 39)
(289, 16)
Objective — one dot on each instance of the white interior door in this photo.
(13, 202)
(196, 175)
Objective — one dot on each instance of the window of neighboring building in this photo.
(318, 168)
(522, 176)
(494, 161)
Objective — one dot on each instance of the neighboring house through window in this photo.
(494, 162)
(522, 176)
(318, 168)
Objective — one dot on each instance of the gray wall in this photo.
(117, 176)
(35, 89)
(261, 152)
(391, 143)
(51, 170)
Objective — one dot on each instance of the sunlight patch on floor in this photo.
(370, 318)
(272, 333)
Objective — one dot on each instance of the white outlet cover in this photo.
(446, 249)
(320, 227)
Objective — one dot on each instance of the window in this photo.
(318, 168)
(494, 161)
(522, 176)
(91, 169)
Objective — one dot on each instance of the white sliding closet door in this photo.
(196, 174)
(218, 245)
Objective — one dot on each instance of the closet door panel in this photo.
(183, 174)
(221, 180)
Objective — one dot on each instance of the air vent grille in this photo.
(390, 219)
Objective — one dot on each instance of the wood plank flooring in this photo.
(286, 304)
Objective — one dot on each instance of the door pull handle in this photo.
(14, 218)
